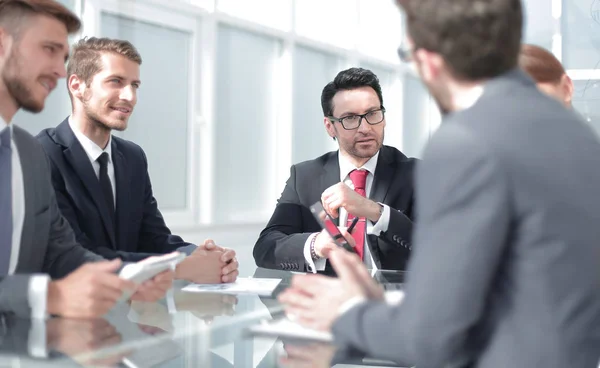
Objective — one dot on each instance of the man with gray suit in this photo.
(506, 257)
(36, 243)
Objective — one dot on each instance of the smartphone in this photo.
(326, 222)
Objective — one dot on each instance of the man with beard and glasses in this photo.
(36, 242)
(505, 269)
(102, 182)
(364, 179)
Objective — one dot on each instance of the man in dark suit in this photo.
(505, 271)
(102, 182)
(36, 243)
(363, 179)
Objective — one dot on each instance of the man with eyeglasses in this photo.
(364, 179)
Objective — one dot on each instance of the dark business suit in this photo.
(281, 243)
(48, 244)
(506, 266)
(138, 230)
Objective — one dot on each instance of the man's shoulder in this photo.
(316, 163)
(23, 137)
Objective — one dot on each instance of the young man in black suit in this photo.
(101, 182)
(363, 179)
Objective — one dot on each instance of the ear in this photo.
(429, 63)
(568, 88)
(6, 42)
(76, 86)
(329, 127)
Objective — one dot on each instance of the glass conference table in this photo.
(183, 330)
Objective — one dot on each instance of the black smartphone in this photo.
(326, 222)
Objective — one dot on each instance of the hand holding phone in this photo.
(326, 222)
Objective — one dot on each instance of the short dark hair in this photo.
(477, 39)
(12, 13)
(349, 79)
(540, 64)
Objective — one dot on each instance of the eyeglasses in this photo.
(405, 53)
(353, 121)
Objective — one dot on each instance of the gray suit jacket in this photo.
(47, 243)
(505, 269)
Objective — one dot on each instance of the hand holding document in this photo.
(244, 285)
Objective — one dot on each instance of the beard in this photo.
(100, 121)
(352, 148)
(16, 84)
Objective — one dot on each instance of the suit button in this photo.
(395, 238)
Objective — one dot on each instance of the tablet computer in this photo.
(326, 222)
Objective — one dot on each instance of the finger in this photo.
(230, 277)
(164, 277)
(228, 255)
(327, 249)
(297, 300)
(349, 238)
(209, 244)
(230, 268)
(312, 284)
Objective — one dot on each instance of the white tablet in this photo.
(147, 269)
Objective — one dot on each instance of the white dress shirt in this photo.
(372, 229)
(38, 283)
(94, 151)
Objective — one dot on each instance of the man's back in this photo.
(543, 304)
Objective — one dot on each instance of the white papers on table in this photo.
(285, 328)
(263, 287)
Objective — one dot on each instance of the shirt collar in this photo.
(346, 166)
(92, 149)
(469, 97)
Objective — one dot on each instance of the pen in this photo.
(354, 222)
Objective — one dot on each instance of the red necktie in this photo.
(359, 179)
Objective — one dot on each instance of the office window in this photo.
(329, 21)
(586, 101)
(244, 124)
(161, 118)
(312, 71)
(381, 29)
(581, 34)
(271, 13)
(416, 116)
(539, 25)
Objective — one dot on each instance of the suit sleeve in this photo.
(281, 244)
(155, 236)
(463, 205)
(66, 209)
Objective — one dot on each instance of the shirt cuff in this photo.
(36, 343)
(381, 225)
(38, 295)
(349, 304)
(313, 266)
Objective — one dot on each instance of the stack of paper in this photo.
(262, 287)
(286, 328)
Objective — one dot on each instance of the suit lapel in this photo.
(383, 176)
(330, 175)
(31, 181)
(75, 155)
(122, 186)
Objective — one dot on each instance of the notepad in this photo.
(262, 287)
(285, 328)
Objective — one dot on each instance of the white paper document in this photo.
(286, 328)
(243, 285)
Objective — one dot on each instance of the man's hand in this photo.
(77, 338)
(205, 305)
(315, 300)
(230, 270)
(202, 266)
(308, 356)
(340, 195)
(324, 244)
(155, 288)
(88, 292)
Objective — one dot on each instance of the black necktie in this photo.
(105, 183)
(6, 220)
